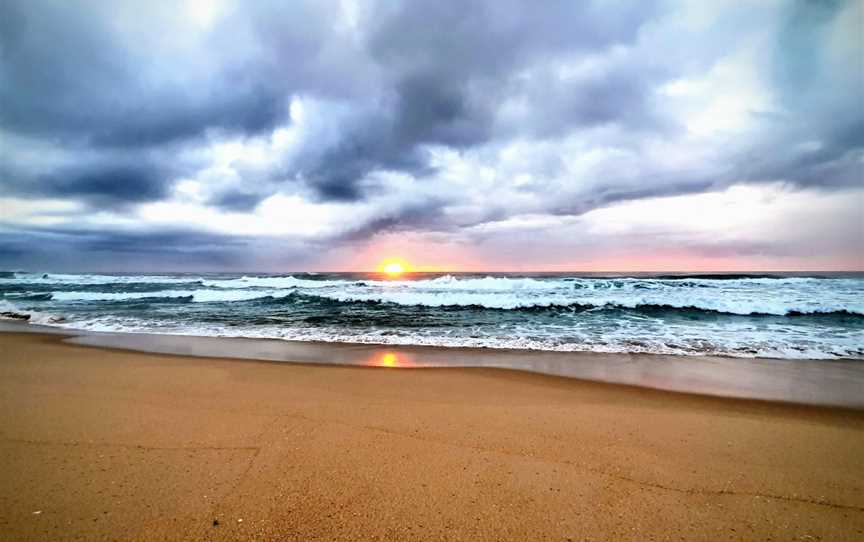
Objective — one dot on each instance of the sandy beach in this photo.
(117, 445)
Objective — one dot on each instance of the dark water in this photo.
(766, 315)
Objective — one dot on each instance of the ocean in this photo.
(813, 316)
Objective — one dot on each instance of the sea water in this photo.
(817, 316)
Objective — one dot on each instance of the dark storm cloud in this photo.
(71, 80)
(457, 40)
(124, 78)
(419, 110)
(67, 73)
(89, 249)
(421, 214)
(101, 180)
(454, 64)
(367, 143)
(440, 74)
(444, 68)
(106, 184)
(619, 94)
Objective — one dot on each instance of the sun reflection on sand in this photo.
(389, 359)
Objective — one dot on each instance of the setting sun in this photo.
(393, 267)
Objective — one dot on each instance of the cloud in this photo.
(37, 168)
(442, 69)
(415, 117)
(92, 72)
(818, 140)
(152, 249)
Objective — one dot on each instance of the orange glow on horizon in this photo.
(435, 256)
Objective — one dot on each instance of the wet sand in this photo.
(810, 382)
(109, 444)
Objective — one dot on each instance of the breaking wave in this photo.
(646, 307)
(8, 311)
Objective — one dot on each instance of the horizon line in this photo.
(450, 271)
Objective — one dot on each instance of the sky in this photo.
(489, 135)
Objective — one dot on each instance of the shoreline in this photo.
(829, 383)
(102, 443)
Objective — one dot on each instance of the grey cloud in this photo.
(821, 98)
(456, 40)
(103, 180)
(87, 249)
(66, 73)
(125, 95)
(445, 66)
(79, 248)
(236, 200)
(439, 72)
(125, 183)
(412, 215)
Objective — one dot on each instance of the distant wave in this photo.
(449, 282)
(497, 283)
(553, 298)
(29, 296)
(55, 278)
(197, 296)
(445, 282)
(727, 276)
(492, 283)
(515, 304)
(274, 282)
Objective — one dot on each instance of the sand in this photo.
(107, 444)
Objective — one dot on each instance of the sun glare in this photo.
(393, 267)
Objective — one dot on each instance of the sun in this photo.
(393, 267)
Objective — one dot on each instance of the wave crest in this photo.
(497, 302)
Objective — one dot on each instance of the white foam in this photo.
(446, 282)
(198, 296)
(273, 282)
(744, 343)
(740, 296)
(729, 303)
(449, 282)
(34, 317)
(734, 296)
